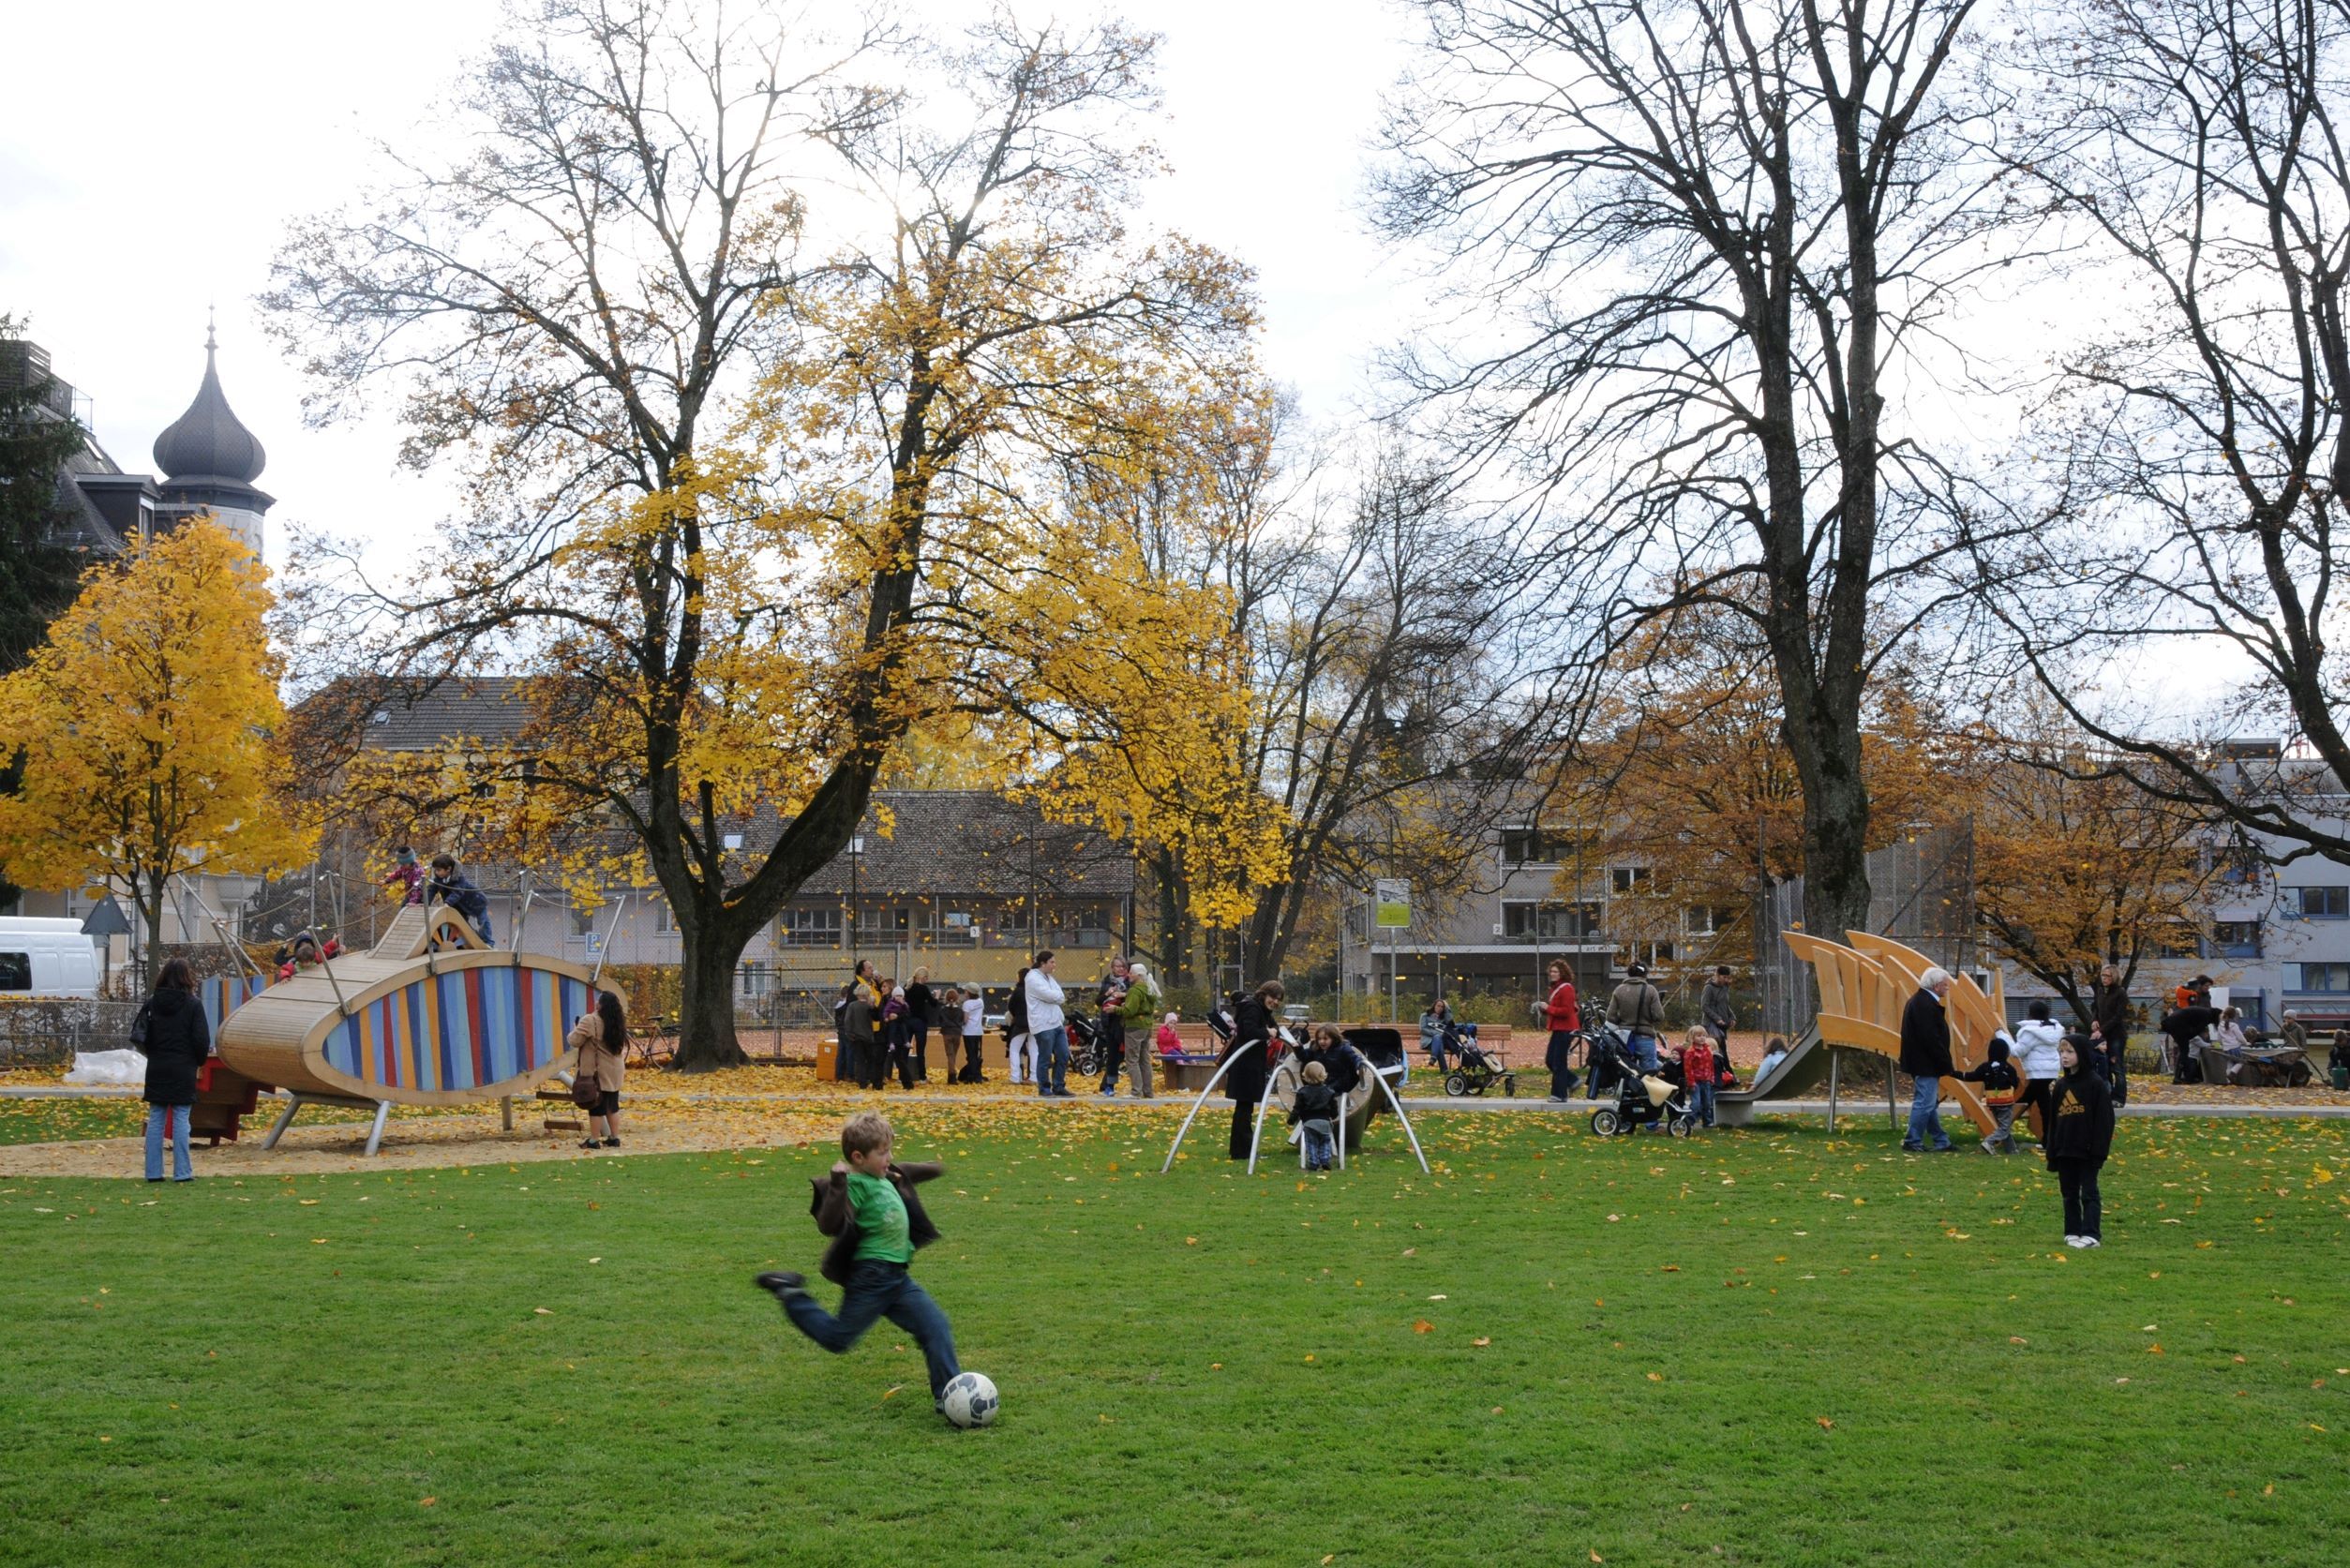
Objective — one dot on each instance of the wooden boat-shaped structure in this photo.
(432, 1015)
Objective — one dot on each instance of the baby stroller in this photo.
(1476, 1070)
(1085, 1045)
(1641, 1101)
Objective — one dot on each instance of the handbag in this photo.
(585, 1093)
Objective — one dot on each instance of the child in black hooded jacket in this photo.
(2078, 1136)
(2002, 1083)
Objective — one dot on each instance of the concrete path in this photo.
(1480, 1104)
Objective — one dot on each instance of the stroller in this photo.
(1476, 1070)
(1638, 1101)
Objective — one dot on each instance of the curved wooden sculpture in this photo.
(432, 1015)
(1863, 989)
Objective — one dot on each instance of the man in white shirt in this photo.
(1049, 1027)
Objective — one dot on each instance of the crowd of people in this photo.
(882, 1029)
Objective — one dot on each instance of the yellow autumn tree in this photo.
(148, 720)
(786, 488)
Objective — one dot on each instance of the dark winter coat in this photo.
(1315, 1102)
(1343, 1063)
(1251, 1027)
(2078, 1127)
(829, 1202)
(921, 1005)
(1925, 1036)
(459, 892)
(2183, 1025)
(2110, 1005)
(178, 1041)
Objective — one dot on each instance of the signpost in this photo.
(1391, 912)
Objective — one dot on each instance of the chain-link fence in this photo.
(43, 1033)
(1921, 894)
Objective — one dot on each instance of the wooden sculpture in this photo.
(1863, 989)
(432, 1015)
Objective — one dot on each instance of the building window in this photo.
(2236, 938)
(583, 920)
(1708, 919)
(1525, 847)
(2325, 903)
(1630, 881)
(810, 928)
(1548, 923)
(2317, 977)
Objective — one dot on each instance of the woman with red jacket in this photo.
(1564, 1017)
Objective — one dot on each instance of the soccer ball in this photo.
(970, 1400)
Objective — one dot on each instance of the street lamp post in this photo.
(856, 855)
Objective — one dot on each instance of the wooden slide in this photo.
(1863, 989)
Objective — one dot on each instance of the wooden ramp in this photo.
(1864, 987)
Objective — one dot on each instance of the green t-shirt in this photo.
(881, 1228)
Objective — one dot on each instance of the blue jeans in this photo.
(880, 1289)
(1924, 1117)
(1701, 1100)
(1319, 1149)
(1053, 1064)
(1645, 1049)
(175, 1117)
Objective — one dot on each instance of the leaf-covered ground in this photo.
(1769, 1345)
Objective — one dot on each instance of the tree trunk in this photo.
(705, 1039)
(1835, 836)
(151, 914)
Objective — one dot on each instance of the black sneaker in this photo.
(611, 1143)
(782, 1283)
(589, 1144)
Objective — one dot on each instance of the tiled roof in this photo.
(936, 843)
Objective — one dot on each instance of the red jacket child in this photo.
(1697, 1060)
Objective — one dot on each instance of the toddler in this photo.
(1313, 1113)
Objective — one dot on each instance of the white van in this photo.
(47, 958)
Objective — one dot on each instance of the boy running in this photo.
(868, 1207)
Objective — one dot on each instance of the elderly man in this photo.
(1925, 1056)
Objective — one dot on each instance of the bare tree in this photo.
(2197, 446)
(1700, 251)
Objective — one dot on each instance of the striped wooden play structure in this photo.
(1864, 987)
(432, 1015)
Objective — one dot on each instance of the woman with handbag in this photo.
(172, 1032)
(600, 1037)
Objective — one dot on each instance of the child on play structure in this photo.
(1314, 1112)
(867, 1205)
(2002, 1086)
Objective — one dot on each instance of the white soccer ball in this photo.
(971, 1400)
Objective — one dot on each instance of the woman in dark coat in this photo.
(1252, 1040)
(177, 1041)
(2079, 1133)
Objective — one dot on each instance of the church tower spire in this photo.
(209, 459)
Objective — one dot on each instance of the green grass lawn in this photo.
(1770, 1347)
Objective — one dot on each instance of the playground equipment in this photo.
(1282, 1089)
(1862, 990)
(432, 1015)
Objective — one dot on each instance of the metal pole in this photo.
(1836, 1064)
(606, 952)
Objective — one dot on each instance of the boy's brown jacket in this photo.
(829, 1202)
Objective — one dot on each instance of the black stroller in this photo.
(1636, 1105)
(1474, 1071)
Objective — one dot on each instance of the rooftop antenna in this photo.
(210, 343)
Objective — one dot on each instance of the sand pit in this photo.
(427, 1141)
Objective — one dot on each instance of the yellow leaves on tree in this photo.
(148, 720)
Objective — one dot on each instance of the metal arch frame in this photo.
(1256, 1138)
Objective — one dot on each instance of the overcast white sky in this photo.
(152, 153)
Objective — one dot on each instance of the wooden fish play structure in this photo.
(1863, 989)
(432, 1015)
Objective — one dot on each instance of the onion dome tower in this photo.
(209, 461)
